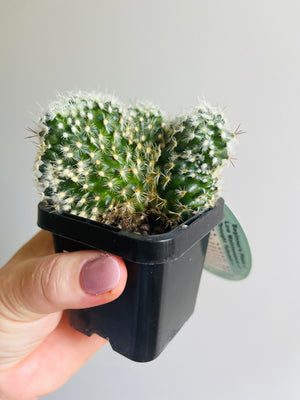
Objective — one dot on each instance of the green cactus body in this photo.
(98, 159)
(196, 149)
(115, 164)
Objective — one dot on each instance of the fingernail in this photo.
(100, 275)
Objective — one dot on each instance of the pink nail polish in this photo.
(100, 275)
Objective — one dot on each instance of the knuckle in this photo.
(49, 278)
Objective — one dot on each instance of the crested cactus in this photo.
(129, 166)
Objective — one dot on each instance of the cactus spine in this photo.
(119, 165)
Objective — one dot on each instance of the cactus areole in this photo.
(130, 166)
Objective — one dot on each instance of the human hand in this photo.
(39, 351)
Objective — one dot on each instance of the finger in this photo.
(40, 245)
(59, 357)
(18, 340)
(43, 285)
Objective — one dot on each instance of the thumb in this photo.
(34, 287)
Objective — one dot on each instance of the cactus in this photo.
(129, 166)
(196, 149)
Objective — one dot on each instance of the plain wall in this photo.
(243, 340)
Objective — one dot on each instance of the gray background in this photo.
(243, 340)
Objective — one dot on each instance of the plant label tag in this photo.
(228, 253)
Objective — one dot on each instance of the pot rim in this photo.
(128, 245)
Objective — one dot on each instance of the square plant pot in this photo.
(164, 273)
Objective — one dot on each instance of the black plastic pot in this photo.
(163, 278)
